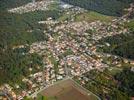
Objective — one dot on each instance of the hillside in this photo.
(122, 44)
(15, 32)
(43, 43)
(4, 4)
(107, 7)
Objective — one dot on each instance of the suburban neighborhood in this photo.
(71, 50)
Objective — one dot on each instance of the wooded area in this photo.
(106, 7)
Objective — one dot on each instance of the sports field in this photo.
(67, 90)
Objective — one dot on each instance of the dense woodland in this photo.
(126, 81)
(107, 7)
(6, 4)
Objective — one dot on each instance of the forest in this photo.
(106, 7)
(6, 4)
(126, 79)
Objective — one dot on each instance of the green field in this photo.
(93, 16)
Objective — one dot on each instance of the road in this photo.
(4, 93)
(88, 92)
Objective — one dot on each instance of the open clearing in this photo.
(67, 90)
(91, 16)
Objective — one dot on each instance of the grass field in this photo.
(114, 70)
(66, 90)
(93, 16)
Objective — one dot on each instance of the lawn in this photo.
(130, 25)
(40, 97)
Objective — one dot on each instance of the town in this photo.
(71, 49)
